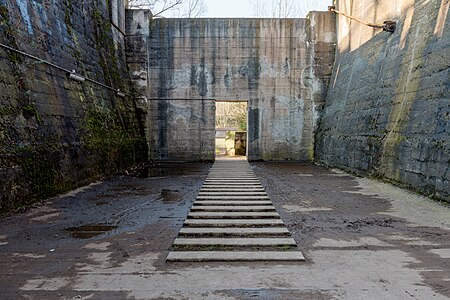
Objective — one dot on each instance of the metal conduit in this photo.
(118, 92)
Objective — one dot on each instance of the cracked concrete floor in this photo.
(362, 239)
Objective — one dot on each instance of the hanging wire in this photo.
(388, 26)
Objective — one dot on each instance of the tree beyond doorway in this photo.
(231, 118)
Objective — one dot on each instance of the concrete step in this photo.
(233, 215)
(233, 184)
(233, 173)
(233, 170)
(233, 198)
(234, 187)
(229, 190)
(237, 203)
(250, 187)
(280, 231)
(233, 222)
(208, 193)
(234, 242)
(200, 256)
(232, 208)
(231, 180)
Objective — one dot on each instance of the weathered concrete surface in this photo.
(200, 256)
(365, 246)
(280, 66)
(388, 107)
(56, 134)
(276, 241)
(233, 231)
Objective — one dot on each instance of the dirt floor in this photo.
(362, 239)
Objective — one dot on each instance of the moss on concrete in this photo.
(108, 138)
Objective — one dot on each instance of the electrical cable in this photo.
(59, 68)
(388, 26)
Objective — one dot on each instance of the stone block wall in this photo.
(387, 112)
(56, 134)
(271, 63)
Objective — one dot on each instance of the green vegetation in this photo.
(68, 17)
(38, 175)
(8, 110)
(31, 110)
(107, 138)
(106, 48)
(4, 15)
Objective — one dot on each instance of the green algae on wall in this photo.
(56, 134)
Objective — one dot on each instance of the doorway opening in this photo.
(231, 128)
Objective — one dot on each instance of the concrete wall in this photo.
(388, 107)
(56, 134)
(271, 63)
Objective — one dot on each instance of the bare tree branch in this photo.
(180, 8)
(284, 9)
(157, 7)
(259, 8)
(195, 8)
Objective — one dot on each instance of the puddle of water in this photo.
(170, 195)
(89, 231)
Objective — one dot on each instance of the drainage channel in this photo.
(233, 219)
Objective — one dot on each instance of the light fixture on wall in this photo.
(72, 75)
(120, 94)
(388, 26)
(75, 77)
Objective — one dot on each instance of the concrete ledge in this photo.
(231, 175)
(231, 215)
(233, 198)
(204, 193)
(235, 231)
(231, 202)
(235, 242)
(231, 189)
(199, 256)
(232, 186)
(233, 208)
(237, 180)
(232, 222)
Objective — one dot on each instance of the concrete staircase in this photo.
(233, 219)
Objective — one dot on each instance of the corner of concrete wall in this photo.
(137, 32)
(322, 47)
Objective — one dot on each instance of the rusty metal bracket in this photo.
(388, 26)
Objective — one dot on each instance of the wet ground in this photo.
(362, 239)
